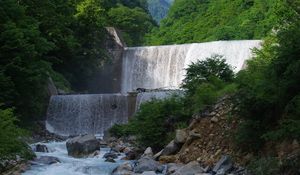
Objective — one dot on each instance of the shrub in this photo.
(154, 123)
(203, 71)
(10, 143)
(264, 166)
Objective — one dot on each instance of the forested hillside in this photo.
(210, 20)
(58, 39)
(159, 8)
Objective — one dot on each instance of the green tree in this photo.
(204, 70)
(269, 88)
(134, 23)
(23, 71)
(10, 143)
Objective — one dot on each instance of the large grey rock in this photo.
(41, 148)
(111, 154)
(123, 169)
(149, 173)
(173, 167)
(191, 168)
(146, 164)
(170, 149)
(223, 165)
(157, 155)
(47, 160)
(82, 146)
(181, 136)
(148, 152)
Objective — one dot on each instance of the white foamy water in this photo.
(85, 114)
(70, 165)
(157, 67)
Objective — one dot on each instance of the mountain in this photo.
(159, 8)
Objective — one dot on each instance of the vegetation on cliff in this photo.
(266, 94)
(61, 40)
(211, 20)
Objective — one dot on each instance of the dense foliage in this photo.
(210, 20)
(159, 8)
(155, 122)
(10, 143)
(59, 40)
(269, 89)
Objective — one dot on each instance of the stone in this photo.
(111, 154)
(103, 144)
(82, 146)
(189, 169)
(172, 167)
(109, 159)
(193, 135)
(123, 169)
(180, 136)
(130, 155)
(146, 164)
(46, 160)
(170, 149)
(214, 119)
(157, 155)
(223, 165)
(167, 159)
(148, 152)
(94, 154)
(41, 148)
(149, 173)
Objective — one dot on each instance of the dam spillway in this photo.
(85, 114)
(163, 67)
(152, 67)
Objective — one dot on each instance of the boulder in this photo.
(46, 160)
(111, 154)
(170, 149)
(109, 159)
(123, 169)
(94, 154)
(146, 164)
(189, 169)
(223, 166)
(148, 152)
(82, 146)
(157, 155)
(131, 155)
(149, 173)
(41, 148)
(173, 167)
(181, 136)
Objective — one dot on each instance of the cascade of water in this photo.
(80, 114)
(153, 67)
(164, 66)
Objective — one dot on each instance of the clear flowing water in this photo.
(85, 114)
(70, 165)
(157, 67)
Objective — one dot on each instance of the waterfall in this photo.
(157, 67)
(80, 114)
(153, 67)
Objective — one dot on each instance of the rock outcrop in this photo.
(82, 146)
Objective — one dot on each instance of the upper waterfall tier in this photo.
(85, 114)
(156, 67)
